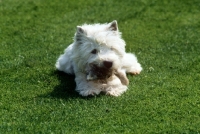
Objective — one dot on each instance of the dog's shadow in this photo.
(66, 87)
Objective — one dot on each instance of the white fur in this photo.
(96, 57)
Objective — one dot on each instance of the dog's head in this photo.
(99, 49)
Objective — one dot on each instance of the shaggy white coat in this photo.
(98, 60)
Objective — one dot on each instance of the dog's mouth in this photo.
(101, 72)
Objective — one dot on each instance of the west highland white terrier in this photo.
(98, 59)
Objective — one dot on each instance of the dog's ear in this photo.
(113, 26)
(80, 30)
(79, 34)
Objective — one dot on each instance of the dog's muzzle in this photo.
(107, 64)
(103, 71)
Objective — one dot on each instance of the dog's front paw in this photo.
(89, 92)
(113, 93)
(136, 69)
(117, 91)
(135, 72)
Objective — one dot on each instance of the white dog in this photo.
(98, 59)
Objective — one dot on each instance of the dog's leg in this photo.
(116, 91)
(115, 87)
(130, 64)
(85, 87)
(64, 62)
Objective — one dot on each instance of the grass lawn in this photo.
(164, 98)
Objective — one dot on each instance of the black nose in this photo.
(108, 64)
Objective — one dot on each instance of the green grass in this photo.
(164, 98)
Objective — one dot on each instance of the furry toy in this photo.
(98, 60)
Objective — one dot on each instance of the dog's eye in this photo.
(94, 51)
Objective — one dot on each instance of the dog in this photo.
(98, 60)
